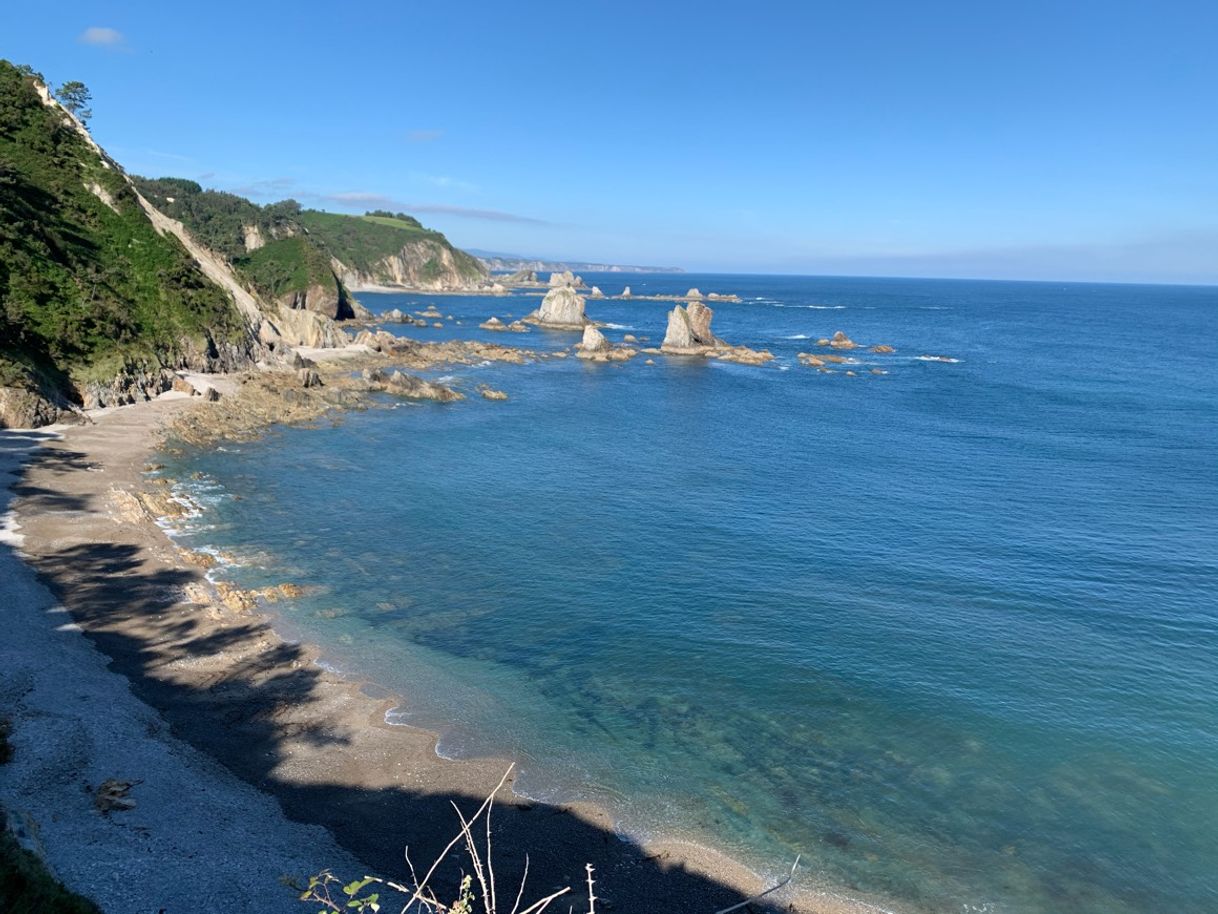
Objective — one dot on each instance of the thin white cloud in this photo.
(443, 181)
(423, 136)
(102, 37)
(379, 201)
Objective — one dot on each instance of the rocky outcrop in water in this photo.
(561, 309)
(493, 323)
(838, 341)
(596, 292)
(689, 333)
(410, 386)
(596, 348)
(521, 278)
(689, 328)
(565, 278)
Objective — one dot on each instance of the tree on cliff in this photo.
(74, 96)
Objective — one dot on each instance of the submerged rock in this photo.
(415, 388)
(490, 393)
(882, 349)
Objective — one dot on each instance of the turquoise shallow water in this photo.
(951, 632)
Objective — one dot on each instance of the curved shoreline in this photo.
(316, 740)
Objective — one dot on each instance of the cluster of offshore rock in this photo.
(822, 361)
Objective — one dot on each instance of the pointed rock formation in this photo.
(694, 295)
(596, 292)
(689, 328)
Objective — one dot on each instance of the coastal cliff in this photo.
(100, 304)
(378, 251)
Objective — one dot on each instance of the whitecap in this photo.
(936, 358)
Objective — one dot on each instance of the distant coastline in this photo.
(509, 263)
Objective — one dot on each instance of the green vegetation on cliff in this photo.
(217, 219)
(87, 285)
(286, 266)
(254, 239)
(363, 243)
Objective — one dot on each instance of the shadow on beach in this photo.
(248, 713)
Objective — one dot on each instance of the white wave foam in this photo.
(936, 358)
(8, 531)
(798, 336)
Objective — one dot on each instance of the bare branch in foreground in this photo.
(773, 888)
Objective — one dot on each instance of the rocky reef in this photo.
(410, 386)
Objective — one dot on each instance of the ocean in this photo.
(949, 632)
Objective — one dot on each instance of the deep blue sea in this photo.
(949, 632)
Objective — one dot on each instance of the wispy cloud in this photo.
(443, 181)
(103, 37)
(423, 136)
(268, 187)
(380, 201)
(359, 198)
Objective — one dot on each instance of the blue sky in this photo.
(1064, 140)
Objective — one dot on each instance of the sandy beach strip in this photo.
(197, 837)
(196, 678)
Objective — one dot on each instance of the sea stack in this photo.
(561, 309)
(689, 329)
(565, 278)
